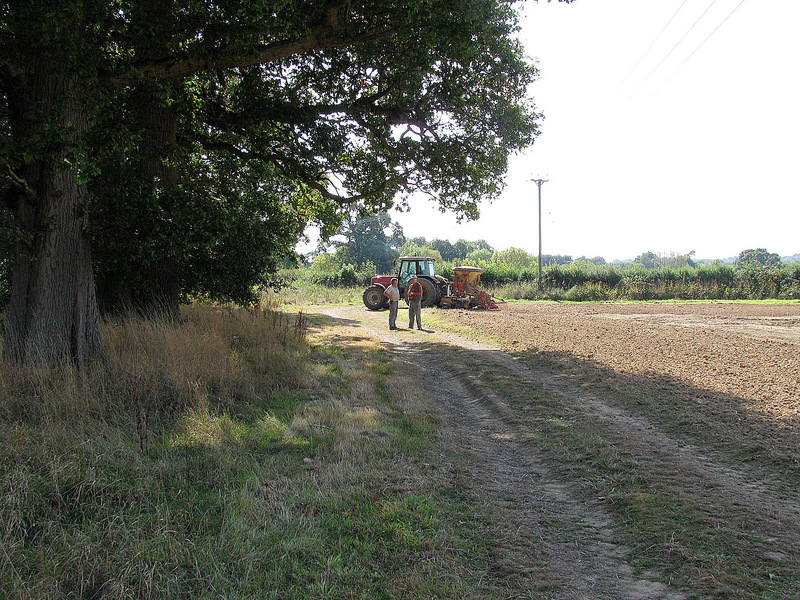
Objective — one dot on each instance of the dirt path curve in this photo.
(551, 539)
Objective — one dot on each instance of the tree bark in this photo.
(161, 293)
(159, 122)
(53, 316)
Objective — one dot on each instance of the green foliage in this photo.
(478, 258)
(363, 239)
(410, 248)
(757, 257)
(790, 284)
(514, 258)
(328, 270)
(597, 260)
(648, 260)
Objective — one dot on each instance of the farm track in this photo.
(555, 538)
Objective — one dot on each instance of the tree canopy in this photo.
(182, 135)
(364, 239)
(757, 257)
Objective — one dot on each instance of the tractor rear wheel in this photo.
(430, 294)
(374, 299)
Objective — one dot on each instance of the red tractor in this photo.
(436, 290)
(434, 286)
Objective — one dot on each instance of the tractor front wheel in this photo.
(374, 299)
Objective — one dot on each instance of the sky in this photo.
(670, 126)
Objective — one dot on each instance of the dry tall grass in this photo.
(87, 480)
(156, 369)
(226, 456)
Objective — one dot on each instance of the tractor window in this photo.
(426, 268)
(415, 267)
(406, 270)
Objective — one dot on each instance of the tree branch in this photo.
(295, 171)
(320, 36)
(22, 185)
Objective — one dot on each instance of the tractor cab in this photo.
(415, 265)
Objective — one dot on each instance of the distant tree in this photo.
(597, 260)
(461, 248)
(678, 261)
(445, 248)
(648, 260)
(709, 262)
(410, 249)
(757, 257)
(476, 257)
(363, 239)
(451, 252)
(555, 259)
(398, 238)
(515, 257)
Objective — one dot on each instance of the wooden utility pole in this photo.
(539, 183)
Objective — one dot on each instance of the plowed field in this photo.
(622, 451)
(737, 365)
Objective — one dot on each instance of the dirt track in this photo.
(702, 399)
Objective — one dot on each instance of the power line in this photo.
(685, 60)
(688, 31)
(660, 33)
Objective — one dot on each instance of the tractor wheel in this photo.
(374, 298)
(430, 295)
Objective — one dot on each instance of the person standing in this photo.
(414, 297)
(393, 294)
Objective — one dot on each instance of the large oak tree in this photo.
(335, 101)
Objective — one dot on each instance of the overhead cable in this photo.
(688, 31)
(660, 33)
(709, 35)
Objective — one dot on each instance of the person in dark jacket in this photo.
(414, 297)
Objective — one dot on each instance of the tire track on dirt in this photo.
(551, 540)
(678, 463)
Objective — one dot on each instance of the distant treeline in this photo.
(633, 282)
(514, 273)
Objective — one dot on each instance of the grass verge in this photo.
(235, 455)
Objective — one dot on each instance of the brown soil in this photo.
(703, 398)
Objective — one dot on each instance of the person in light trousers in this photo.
(393, 294)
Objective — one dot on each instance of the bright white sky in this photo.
(645, 150)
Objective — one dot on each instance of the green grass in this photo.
(263, 464)
(303, 293)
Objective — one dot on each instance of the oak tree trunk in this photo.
(52, 317)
